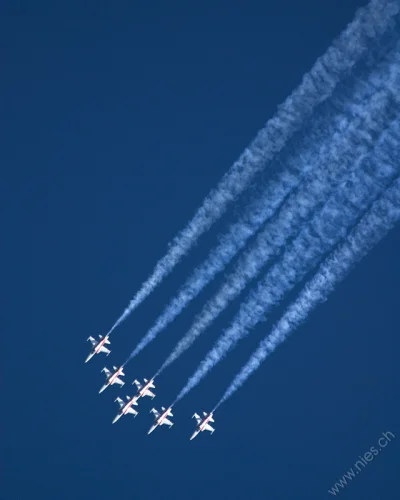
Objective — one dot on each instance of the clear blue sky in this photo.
(116, 121)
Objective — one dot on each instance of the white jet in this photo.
(113, 377)
(126, 407)
(144, 390)
(202, 423)
(98, 346)
(161, 418)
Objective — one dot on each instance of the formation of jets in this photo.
(126, 406)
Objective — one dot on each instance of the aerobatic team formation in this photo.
(332, 194)
(125, 407)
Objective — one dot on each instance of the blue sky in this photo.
(116, 122)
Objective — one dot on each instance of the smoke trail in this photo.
(383, 215)
(304, 253)
(344, 153)
(369, 24)
(313, 161)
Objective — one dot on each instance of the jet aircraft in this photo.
(203, 423)
(161, 418)
(126, 407)
(144, 390)
(98, 346)
(113, 377)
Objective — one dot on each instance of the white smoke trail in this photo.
(345, 154)
(334, 146)
(379, 220)
(303, 254)
(317, 85)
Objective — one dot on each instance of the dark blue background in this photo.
(116, 121)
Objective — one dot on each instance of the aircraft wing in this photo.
(198, 418)
(131, 410)
(138, 384)
(119, 381)
(120, 402)
(93, 341)
(156, 413)
(107, 372)
(166, 421)
(149, 393)
(104, 349)
(209, 428)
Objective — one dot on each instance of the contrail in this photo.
(317, 85)
(346, 152)
(325, 230)
(325, 159)
(379, 220)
